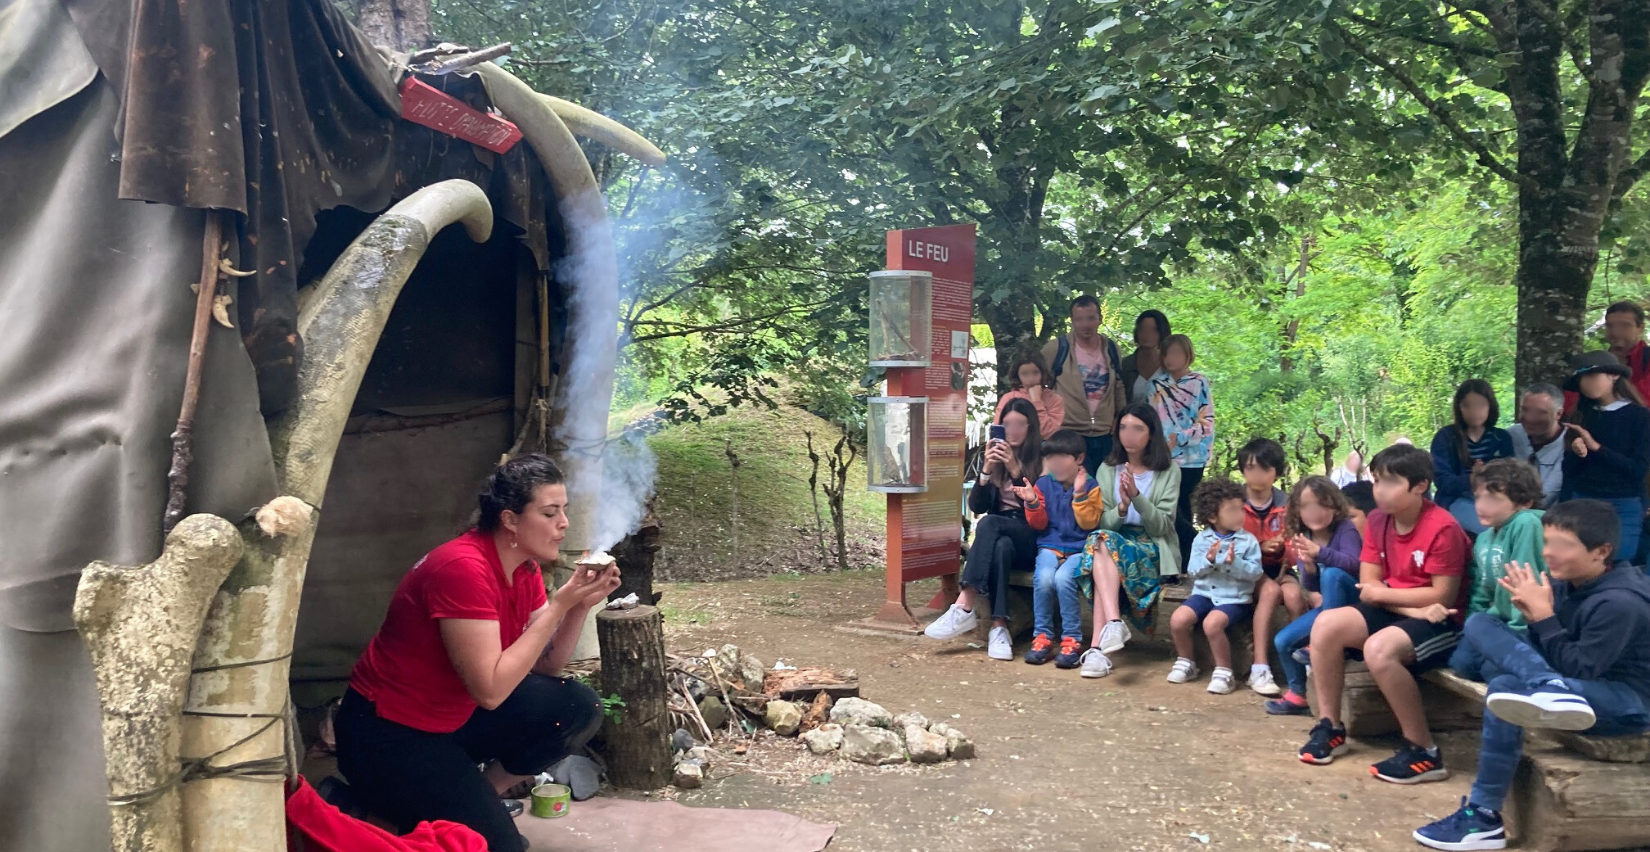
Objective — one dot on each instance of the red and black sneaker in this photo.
(1071, 651)
(1042, 648)
(1412, 765)
(1327, 743)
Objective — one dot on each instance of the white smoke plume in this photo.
(628, 470)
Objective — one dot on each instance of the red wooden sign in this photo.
(422, 104)
(925, 530)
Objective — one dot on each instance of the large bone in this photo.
(249, 628)
(590, 274)
(593, 125)
(140, 625)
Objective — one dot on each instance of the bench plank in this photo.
(1566, 803)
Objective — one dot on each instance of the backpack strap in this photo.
(1062, 351)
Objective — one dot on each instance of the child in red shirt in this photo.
(1262, 463)
(1408, 618)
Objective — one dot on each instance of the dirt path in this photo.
(1129, 762)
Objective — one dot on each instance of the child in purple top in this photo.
(1324, 547)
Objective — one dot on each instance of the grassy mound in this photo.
(775, 529)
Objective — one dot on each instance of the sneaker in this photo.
(1070, 652)
(1042, 648)
(1260, 680)
(1095, 663)
(1184, 671)
(1327, 743)
(999, 646)
(1114, 636)
(1412, 765)
(1220, 683)
(953, 623)
(1470, 828)
(1561, 711)
(1289, 705)
(1302, 655)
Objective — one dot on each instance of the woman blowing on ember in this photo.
(466, 667)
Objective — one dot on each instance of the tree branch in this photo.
(679, 330)
(1452, 46)
(1630, 176)
(1486, 158)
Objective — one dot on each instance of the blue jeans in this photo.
(1514, 666)
(1465, 512)
(1055, 584)
(1631, 512)
(1339, 589)
(1469, 662)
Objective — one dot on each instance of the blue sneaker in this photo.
(1302, 655)
(1469, 828)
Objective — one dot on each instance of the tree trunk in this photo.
(633, 667)
(402, 25)
(635, 556)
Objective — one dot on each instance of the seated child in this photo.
(1583, 666)
(1505, 492)
(1362, 497)
(1064, 506)
(1325, 544)
(1262, 462)
(1410, 592)
(1224, 566)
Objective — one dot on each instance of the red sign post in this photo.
(925, 530)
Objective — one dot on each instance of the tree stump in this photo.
(635, 556)
(633, 667)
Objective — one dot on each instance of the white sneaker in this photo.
(1113, 637)
(1000, 646)
(954, 622)
(1184, 671)
(1220, 683)
(1094, 663)
(1260, 680)
(1561, 711)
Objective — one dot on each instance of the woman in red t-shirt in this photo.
(465, 669)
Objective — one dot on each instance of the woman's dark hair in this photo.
(1209, 495)
(1595, 522)
(1158, 319)
(1514, 479)
(1324, 491)
(1587, 408)
(512, 486)
(1030, 451)
(1411, 463)
(1265, 452)
(1483, 389)
(1064, 443)
(1157, 447)
(1027, 356)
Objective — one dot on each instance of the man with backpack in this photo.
(1087, 375)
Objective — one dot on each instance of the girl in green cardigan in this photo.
(1136, 543)
(1505, 492)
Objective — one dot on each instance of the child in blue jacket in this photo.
(1064, 506)
(1225, 563)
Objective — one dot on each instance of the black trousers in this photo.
(1183, 520)
(407, 776)
(1002, 544)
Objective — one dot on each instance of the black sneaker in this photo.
(1071, 651)
(1412, 765)
(1327, 743)
(1042, 649)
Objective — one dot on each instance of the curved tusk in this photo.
(590, 273)
(593, 125)
(344, 316)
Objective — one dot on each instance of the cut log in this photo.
(1366, 714)
(805, 683)
(1564, 803)
(633, 667)
(635, 556)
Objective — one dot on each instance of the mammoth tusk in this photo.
(593, 125)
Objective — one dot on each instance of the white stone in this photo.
(689, 775)
(824, 739)
(857, 711)
(924, 746)
(906, 720)
(957, 746)
(874, 746)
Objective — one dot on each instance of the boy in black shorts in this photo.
(1407, 619)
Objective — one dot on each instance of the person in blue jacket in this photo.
(1466, 445)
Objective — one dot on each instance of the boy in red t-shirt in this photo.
(1407, 621)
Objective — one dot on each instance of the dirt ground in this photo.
(1129, 762)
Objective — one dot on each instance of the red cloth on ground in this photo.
(315, 826)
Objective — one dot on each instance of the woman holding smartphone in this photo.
(1003, 541)
(466, 667)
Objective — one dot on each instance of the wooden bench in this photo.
(1365, 712)
(1572, 791)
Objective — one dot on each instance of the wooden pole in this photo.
(183, 438)
(633, 667)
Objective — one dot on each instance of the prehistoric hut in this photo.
(387, 309)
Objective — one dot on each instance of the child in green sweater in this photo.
(1505, 492)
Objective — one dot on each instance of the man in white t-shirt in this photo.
(1349, 472)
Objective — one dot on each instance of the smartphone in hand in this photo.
(999, 432)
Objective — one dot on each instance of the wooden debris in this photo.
(804, 683)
